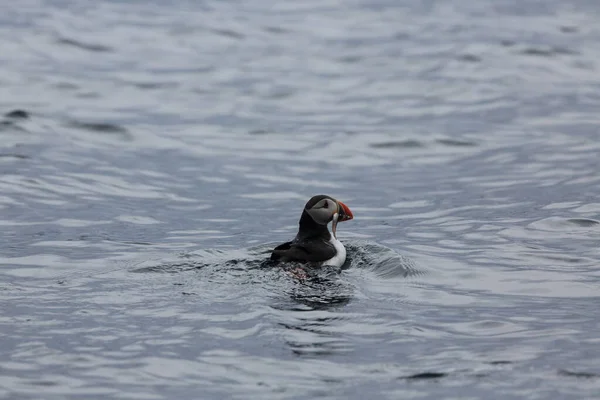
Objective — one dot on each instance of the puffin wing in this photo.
(307, 251)
(280, 250)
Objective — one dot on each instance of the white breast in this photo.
(340, 257)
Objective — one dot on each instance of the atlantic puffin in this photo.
(314, 244)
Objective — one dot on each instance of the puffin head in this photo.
(325, 209)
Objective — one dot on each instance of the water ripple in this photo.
(153, 153)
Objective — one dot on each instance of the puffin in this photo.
(314, 245)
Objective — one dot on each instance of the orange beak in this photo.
(344, 212)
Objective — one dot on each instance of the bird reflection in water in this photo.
(312, 310)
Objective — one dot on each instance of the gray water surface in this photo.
(161, 148)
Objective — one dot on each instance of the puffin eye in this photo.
(326, 205)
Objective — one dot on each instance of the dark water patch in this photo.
(11, 125)
(350, 59)
(565, 51)
(280, 93)
(578, 374)
(259, 132)
(66, 86)
(425, 376)
(563, 258)
(456, 142)
(586, 65)
(17, 114)
(229, 33)
(401, 36)
(106, 239)
(275, 29)
(507, 43)
(17, 156)
(407, 144)
(84, 46)
(155, 85)
(568, 29)
(471, 58)
(191, 70)
(88, 95)
(500, 362)
(583, 222)
(558, 224)
(547, 51)
(537, 51)
(42, 383)
(101, 127)
(329, 348)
